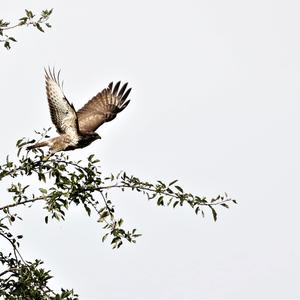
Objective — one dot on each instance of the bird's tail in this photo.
(38, 145)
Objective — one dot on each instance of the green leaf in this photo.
(115, 240)
(169, 190)
(46, 13)
(179, 188)
(171, 183)
(39, 27)
(29, 13)
(104, 237)
(23, 21)
(43, 191)
(214, 213)
(7, 45)
(90, 158)
(41, 177)
(160, 201)
(225, 205)
(12, 39)
(103, 215)
(88, 210)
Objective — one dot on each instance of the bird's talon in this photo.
(45, 158)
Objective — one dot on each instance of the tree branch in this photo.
(8, 271)
(11, 27)
(177, 196)
(22, 202)
(16, 251)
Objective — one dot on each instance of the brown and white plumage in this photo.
(63, 114)
(77, 129)
(103, 107)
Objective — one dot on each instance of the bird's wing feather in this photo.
(63, 114)
(103, 107)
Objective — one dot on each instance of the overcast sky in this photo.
(215, 104)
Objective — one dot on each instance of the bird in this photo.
(77, 129)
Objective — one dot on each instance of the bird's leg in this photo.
(46, 157)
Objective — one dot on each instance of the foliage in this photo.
(39, 22)
(61, 183)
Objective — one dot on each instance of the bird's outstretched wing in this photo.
(103, 107)
(63, 114)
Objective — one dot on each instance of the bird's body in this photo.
(77, 129)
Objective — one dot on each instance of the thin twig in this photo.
(175, 195)
(104, 199)
(16, 251)
(11, 27)
(23, 202)
(8, 270)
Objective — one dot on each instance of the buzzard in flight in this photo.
(77, 129)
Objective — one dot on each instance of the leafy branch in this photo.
(22, 279)
(79, 183)
(61, 183)
(29, 19)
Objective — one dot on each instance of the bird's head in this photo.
(87, 138)
(95, 136)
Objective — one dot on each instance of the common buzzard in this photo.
(77, 129)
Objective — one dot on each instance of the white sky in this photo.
(215, 103)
